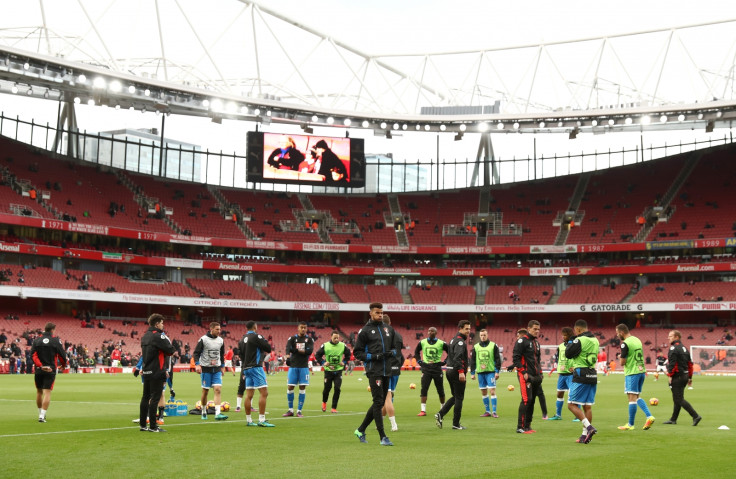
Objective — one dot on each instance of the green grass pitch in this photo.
(89, 433)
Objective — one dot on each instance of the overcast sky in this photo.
(417, 26)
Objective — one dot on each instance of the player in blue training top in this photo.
(298, 349)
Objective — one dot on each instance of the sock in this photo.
(160, 413)
(42, 414)
(643, 405)
(586, 423)
(262, 417)
(302, 397)
(559, 404)
(393, 420)
(39, 412)
(250, 419)
(487, 403)
(239, 402)
(424, 407)
(632, 413)
(290, 400)
(494, 402)
(217, 410)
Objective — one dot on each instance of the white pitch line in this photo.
(200, 423)
(74, 402)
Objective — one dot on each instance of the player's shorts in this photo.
(392, 382)
(298, 377)
(486, 380)
(662, 369)
(564, 381)
(582, 394)
(228, 363)
(211, 379)
(633, 383)
(45, 380)
(255, 378)
(115, 363)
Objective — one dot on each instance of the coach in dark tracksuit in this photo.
(680, 371)
(526, 359)
(48, 354)
(375, 346)
(457, 366)
(155, 346)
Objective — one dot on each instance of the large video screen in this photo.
(306, 159)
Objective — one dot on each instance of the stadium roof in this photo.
(332, 56)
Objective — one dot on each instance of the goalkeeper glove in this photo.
(136, 372)
(379, 356)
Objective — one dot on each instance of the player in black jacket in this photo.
(375, 346)
(155, 346)
(298, 349)
(528, 366)
(254, 349)
(680, 371)
(47, 354)
(457, 366)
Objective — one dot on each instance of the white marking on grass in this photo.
(56, 401)
(168, 426)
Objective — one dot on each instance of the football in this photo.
(368, 388)
(412, 386)
(225, 406)
(653, 401)
(210, 404)
(198, 405)
(511, 387)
